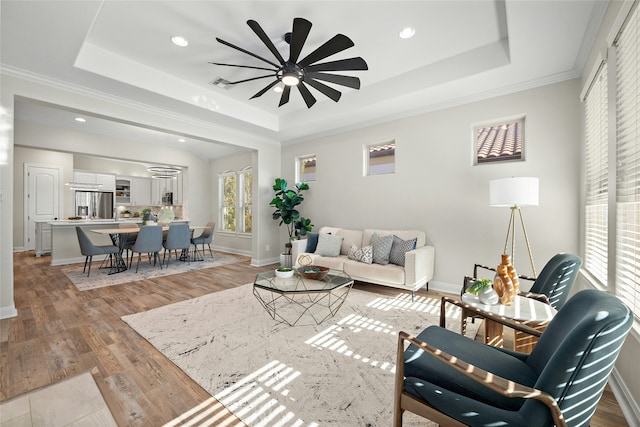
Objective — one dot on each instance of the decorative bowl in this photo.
(313, 272)
(284, 273)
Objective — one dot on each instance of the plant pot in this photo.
(284, 274)
(285, 260)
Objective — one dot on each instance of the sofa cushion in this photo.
(399, 248)
(364, 254)
(335, 263)
(312, 242)
(389, 274)
(381, 248)
(351, 237)
(329, 245)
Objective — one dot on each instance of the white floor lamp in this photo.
(515, 193)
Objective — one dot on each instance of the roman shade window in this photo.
(628, 163)
(596, 176)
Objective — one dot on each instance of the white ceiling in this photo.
(462, 51)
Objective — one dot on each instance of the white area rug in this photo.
(100, 278)
(340, 373)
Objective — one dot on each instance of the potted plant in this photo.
(286, 202)
(302, 227)
(284, 272)
(147, 218)
(483, 288)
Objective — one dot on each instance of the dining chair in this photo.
(178, 238)
(206, 237)
(127, 240)
(90, 249)
(149, 241)
(456, 381)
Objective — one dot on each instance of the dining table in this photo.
(119, 236)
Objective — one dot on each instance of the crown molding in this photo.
(124, 102)
(428, 108)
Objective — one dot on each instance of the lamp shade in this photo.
(518, 191)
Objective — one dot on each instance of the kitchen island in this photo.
(64, 239)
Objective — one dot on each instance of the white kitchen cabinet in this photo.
(133, 190)
(84, 177)
(43, 238)
(108, 180)
(140, 191)
(177, 189)
(159, 186)
(123, 191)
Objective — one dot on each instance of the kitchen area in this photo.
(106, 200)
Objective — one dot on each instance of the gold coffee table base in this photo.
(294, 299)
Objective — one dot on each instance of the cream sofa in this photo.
(417, 271)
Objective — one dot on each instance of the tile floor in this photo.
(76, 401)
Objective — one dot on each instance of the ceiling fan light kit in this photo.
(294, 73)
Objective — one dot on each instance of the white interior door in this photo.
(42, 198)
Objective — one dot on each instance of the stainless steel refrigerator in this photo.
(94, 204)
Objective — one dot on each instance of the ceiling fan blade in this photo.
(309, 99)
(284, 98)
(246, 51)
(349, 81)
(340, 65)
(301, 28)
(265, 39)
(336, 44)
(244, 66)
(252, 78)
(321, 87)
(265, 89)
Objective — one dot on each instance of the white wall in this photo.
(437, 189)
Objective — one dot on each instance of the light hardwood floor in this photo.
(60, 332)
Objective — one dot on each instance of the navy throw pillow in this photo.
(312, 242)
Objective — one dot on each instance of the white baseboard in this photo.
(231, 250)
(65, 261)
(262, 262)
(8, 311)
(628, 406)
(444, 287)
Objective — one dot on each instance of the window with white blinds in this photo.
(596, 177)
(628, 163)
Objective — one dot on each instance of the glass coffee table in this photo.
(296, 298)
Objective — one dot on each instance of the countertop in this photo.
(67, 222)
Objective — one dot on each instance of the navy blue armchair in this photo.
(455, 381)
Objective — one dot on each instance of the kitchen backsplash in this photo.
(177, 210)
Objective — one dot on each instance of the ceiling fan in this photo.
(296, 73)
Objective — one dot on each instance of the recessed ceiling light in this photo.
(182, 140)
(407, 33)
(80, 119)
(179, 41)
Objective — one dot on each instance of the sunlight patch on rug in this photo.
(269, 374)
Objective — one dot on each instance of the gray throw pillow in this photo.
(399, 248)
(381, 248)
(328, 245)
(361, 255)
